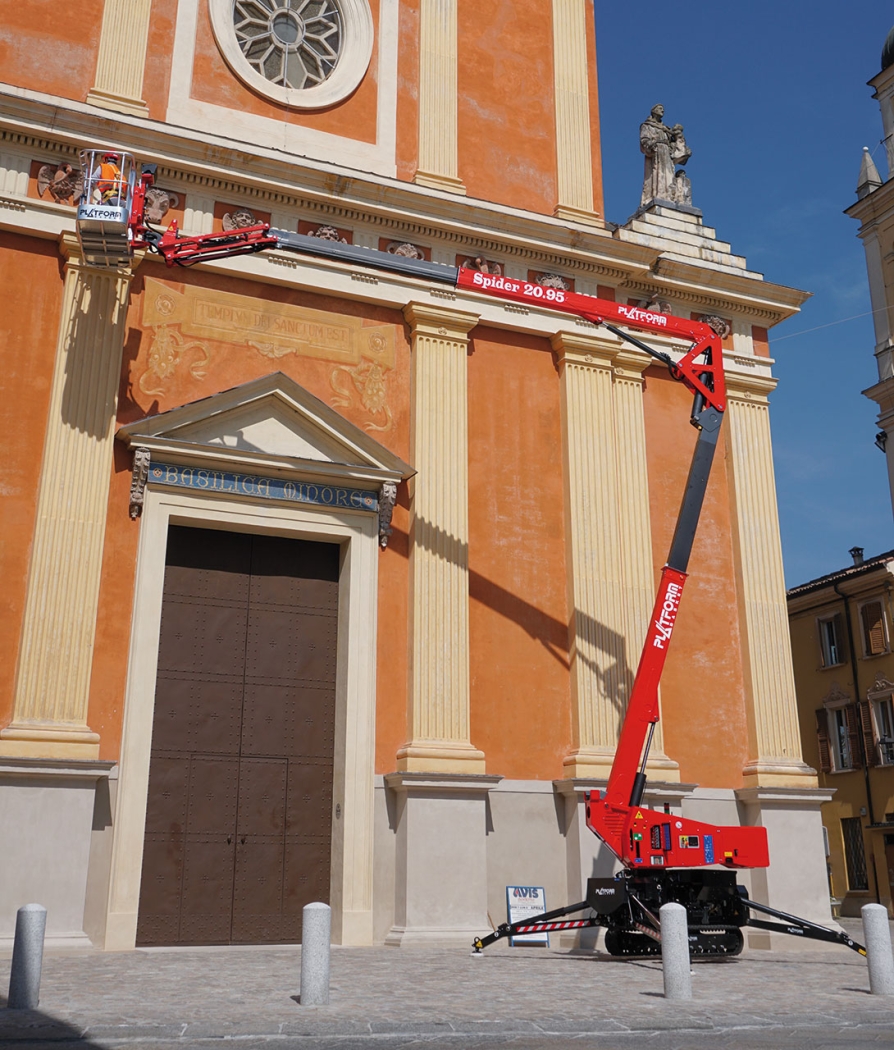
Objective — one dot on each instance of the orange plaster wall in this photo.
(213, 81)
(520, 685)
(760, 338)
(230, 365)
(407, 90)
(506, 109)
(157, 77)
(48, 48)
(30, 275)
(703, 688)
(393, 639)
(595, 138)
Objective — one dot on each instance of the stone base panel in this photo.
(446, 846)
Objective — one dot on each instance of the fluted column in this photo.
(597, 643)
(437, 166)
(439, 546)
(571, 86)
(56, 651)
(637, 567)
(122, 57)
(774, 738)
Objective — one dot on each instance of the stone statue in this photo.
(664, 148)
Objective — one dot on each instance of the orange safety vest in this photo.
(109, 178)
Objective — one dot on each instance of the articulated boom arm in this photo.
(637, 836)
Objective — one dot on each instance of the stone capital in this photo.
(749, 390)
(631, 364)
(439, 322)
(593, 351)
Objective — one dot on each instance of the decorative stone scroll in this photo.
(141, 458)
(387, 499)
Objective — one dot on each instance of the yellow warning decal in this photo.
(639, 815)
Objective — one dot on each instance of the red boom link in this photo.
(184, 251)
(704, 379)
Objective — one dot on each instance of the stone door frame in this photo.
(353, 784)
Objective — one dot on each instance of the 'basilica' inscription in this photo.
(265, 488)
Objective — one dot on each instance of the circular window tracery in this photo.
(302, 53)
(293, 43)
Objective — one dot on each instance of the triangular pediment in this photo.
(271, 420)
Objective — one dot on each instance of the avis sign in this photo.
(524, 902)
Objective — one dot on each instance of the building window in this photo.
(884, 724)
(831, 640)
(875, 636)
(838, 737)
(855, 858)
(305, 54)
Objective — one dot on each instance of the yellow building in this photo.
(844, 671)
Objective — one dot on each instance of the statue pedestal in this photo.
(658, 202)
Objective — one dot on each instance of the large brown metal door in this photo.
(240, 780)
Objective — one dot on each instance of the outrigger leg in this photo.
(800, 927)
(544, 923)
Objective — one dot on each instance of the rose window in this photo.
(294, 44)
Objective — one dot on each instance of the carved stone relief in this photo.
(327, 233)
(159, 202)
(238, 219)
(184, 321)
(554, 280)
(721, 326)
(410, 251)
(655, 304)
(63, 182)
(478, 262)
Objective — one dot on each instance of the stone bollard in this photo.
(315, 939)
(877, 935)
(27, 957)
(675, 951)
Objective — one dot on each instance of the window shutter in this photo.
(854, 732)
(840, 635)
(822, 739)
(869, 748)
(873, 628)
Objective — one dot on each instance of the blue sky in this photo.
(774, 100)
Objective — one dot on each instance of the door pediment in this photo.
(270, 424)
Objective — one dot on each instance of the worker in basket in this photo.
(107, 179)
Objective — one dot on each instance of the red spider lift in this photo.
(664, 857)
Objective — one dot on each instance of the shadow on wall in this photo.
(615, 673)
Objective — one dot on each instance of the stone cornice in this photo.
(218, 167)
(214, 164)
(717, 289)
(874, 207)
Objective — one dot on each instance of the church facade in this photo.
(329, 584)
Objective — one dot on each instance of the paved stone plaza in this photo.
(521, 998)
